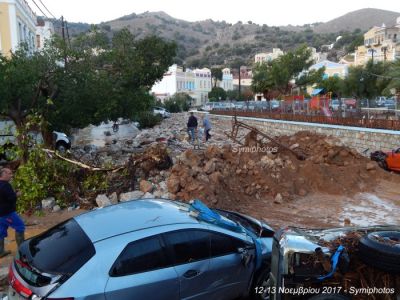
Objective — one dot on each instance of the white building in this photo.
(196, 83)
(44, 32)
(264, 57)
(227, 80)
(17, 25)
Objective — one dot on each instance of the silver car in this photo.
(145, 249)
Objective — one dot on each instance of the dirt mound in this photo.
(237, 177)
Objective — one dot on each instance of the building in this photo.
(17, 25)
(227, 80)
(44, 32)
(246, 77)
(332, 69)
(380, 44)
(196, 83)
(265, 57)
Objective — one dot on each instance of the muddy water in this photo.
(103, 134)
(382, 207)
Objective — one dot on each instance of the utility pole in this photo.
(63, 36)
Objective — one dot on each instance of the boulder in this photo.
(102, 200)
(113, 198)
(48, 203)
(123, 197)
(173, 184)
(145, 186)
(148, 196)
(56, 208)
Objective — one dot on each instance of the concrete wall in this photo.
(360, 139)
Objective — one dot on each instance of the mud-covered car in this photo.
(340, 263)
(387, 160)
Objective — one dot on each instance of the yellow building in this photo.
(17, 25)
(380, 44)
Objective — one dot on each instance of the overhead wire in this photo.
(47, 9)
(40, 9)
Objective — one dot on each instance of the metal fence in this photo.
(345, 121)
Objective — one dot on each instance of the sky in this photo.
(270, 12)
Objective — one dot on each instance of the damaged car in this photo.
(334, 264)
(145, 249)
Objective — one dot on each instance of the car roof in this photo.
(130, 216)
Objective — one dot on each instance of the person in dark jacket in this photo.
(8, 215)
(192, 126)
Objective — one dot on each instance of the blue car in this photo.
(146, 249)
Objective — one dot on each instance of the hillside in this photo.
(362, 19)
(207, 42)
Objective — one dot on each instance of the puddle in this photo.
(96, 135)
(371, 210)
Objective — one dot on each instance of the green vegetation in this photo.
(178, 103)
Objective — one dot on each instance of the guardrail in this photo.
(344, 121)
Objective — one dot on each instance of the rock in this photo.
(370, 166)
(173, 184)
(302, 192)
(148, 196)
(216, 177)
(113, 198)
(163, 186)
(56, 208)
(48, 203)
(123, 197)
(344, 153)
(158, 194)
(145, 186)
(102, 200)
(209, 167)
(278, 199)
(166, 196)
(347, 222)
(71, 208)
(294, 146)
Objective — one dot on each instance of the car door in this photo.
(190, 250)
(143, 271)
(230, 271)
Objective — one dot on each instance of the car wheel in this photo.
(383, 164)
(61, 147)
(260, 289)
(329, 297)
(381, 250)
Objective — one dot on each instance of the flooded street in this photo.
(103, 134)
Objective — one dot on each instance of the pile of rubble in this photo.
(232, 177)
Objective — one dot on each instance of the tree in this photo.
(367, 82)
(275, 76)
(90, 82)
(178, 102)
(216, 94)
(216, 74)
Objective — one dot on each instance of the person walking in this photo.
(207, 127)
(192, 126)
(8, 214)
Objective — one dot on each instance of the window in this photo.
(189, 245)
(38, 41)
(76, 247)
(222, 244)
(140, 256)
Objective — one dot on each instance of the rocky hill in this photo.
(206, 43)
(362, 19)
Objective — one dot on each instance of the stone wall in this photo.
(364, 140)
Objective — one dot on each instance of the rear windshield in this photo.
(63, 249)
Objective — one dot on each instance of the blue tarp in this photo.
(316, 92)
